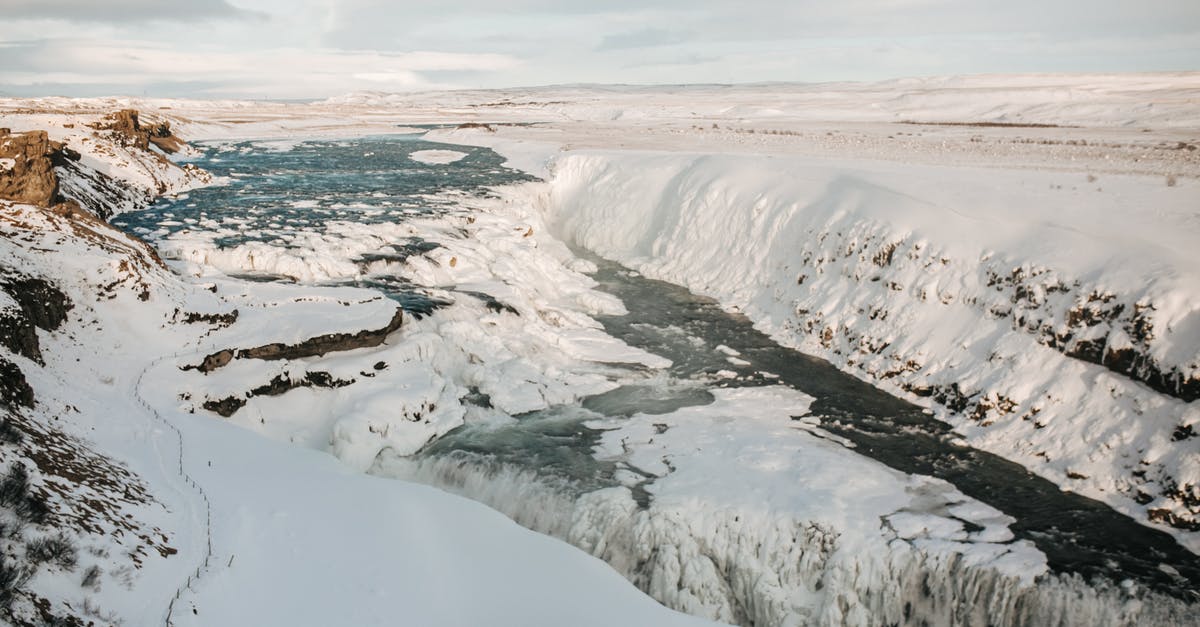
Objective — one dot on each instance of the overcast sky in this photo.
(319, 48)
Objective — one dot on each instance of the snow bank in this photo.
(1010, 297)
(437, 157)
(301, 539)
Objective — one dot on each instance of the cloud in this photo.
(643, 38)
(123, 11)
(280, 72)
(318, 47)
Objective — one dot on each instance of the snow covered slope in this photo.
(108, 172)
(1151, 99)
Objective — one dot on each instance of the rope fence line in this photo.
(187, 479)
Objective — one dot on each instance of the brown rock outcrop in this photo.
(312, 347)
(333, 342)
(40, 305)
(229, 405)
(27, 163)
(127, 124)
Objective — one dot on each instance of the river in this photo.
(544, 470)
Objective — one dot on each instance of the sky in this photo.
(297, 49)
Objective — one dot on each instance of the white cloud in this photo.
(121, 11)
(280, 72)
(319, 47)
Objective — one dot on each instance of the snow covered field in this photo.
(1015, 253)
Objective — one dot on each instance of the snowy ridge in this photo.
(111, 175)
(109, 279)
(1034, 333)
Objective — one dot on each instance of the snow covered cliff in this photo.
(1053, 318)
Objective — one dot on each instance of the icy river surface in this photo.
(744, 481)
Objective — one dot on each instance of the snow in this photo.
(809, 208)
(437, 157)
(785, 221)
(759, 517)
(708, 459)
(142, 175)
(370, 551)
(796, 244)
(335, 545)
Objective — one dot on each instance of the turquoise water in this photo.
(275, 192)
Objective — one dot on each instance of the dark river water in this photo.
(276, 193)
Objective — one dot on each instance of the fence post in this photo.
(137, 391)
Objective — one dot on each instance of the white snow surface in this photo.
(437, 157)
(926, 258)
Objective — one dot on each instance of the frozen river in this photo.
(744, 481)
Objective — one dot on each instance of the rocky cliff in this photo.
(126, 125)
(27, 163)
(106, 164)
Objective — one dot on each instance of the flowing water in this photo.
(540, 469)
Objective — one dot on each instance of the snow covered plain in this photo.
(784, 203)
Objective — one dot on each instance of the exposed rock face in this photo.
(18, 334)
(225, 407)
(44, 304)
(14, 389)
(229, 405)
(312, 347)
(27, 163)
(126, 124)
(40, 305)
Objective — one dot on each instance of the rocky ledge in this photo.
(312, 347)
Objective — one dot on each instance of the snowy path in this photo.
(188, 480)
